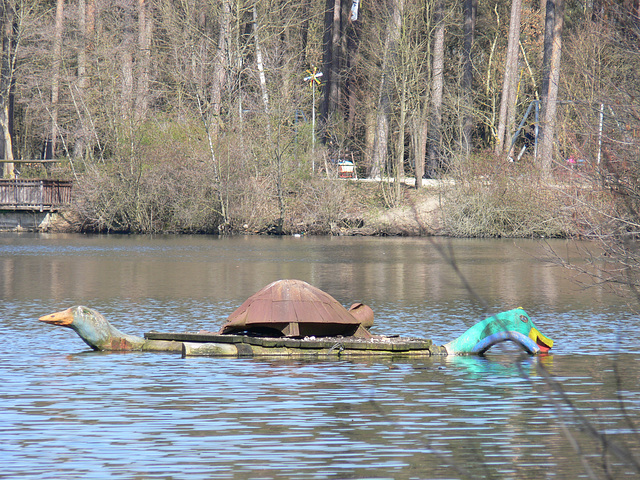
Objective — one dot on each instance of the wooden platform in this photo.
(256, 345)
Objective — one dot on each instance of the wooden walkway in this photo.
(34, 195)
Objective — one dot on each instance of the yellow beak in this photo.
(545, 343)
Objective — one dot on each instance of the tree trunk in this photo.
(351, 82)
(551, 69)
(126, 61)
(437, 86)
(399, 164)
(380, 143)
(333, 87)
(331, 62)
(304, 34)
(86, 25)
(263, 78)
(83, 80)
(470, 10)
(549, 24)
(369, 132)
(145, 29)
(50, 149)
(219, 67)
(7, 80)
(509, 84)
(327, 58)
(419, 143)
(90, 25)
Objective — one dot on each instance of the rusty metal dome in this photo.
(293, 308)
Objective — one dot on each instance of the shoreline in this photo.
(501, 208)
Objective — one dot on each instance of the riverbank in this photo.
(500, 206)
(418, 213)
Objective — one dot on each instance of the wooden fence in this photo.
(40, 195)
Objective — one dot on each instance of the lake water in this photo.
(68, 412)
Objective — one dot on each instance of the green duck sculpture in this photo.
(514, 325)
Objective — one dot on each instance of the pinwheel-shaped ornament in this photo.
(313, 76)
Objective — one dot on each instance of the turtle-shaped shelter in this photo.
(293, 308)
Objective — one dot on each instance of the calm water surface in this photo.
(68, 412)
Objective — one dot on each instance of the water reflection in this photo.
(402, 270)
(71, 413)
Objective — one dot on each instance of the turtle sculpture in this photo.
(293, 308)
(298, 313)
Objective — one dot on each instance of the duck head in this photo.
(93, 328)
(514, 325)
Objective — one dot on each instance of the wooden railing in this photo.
(19, 194)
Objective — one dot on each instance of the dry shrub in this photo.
(502, 205)
(255, 205)
(315, 207)
(320, 206)
(161, 198)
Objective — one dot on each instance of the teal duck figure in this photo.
(514, 325)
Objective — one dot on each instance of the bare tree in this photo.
(220, 66)
(385, 90)
(86, 27)
(50, 147)
(83, 79)
(145, 29)
(259, 60)
(8, 23)
(554, 22)
(126, 60)
(509, 84)
(470, 8)
(437, 87)
(412, 83)
(331, 60)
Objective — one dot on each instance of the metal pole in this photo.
(535, 144)
(600, 132)
(313, 76)
(313, 120)
(524, 119)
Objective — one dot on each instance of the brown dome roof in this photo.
(294, 308)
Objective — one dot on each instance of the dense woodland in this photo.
(197, 115)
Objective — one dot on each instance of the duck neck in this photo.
(465, 342)
(492, 330)
(109, 338)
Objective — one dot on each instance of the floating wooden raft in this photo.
(213, 344)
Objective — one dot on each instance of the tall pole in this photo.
(600, 132)
(313, 78)
(313, 121)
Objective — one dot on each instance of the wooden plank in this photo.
(203, 337)
(378, 343)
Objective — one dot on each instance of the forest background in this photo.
(209, 116)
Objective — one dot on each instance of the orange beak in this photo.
(63, 319)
